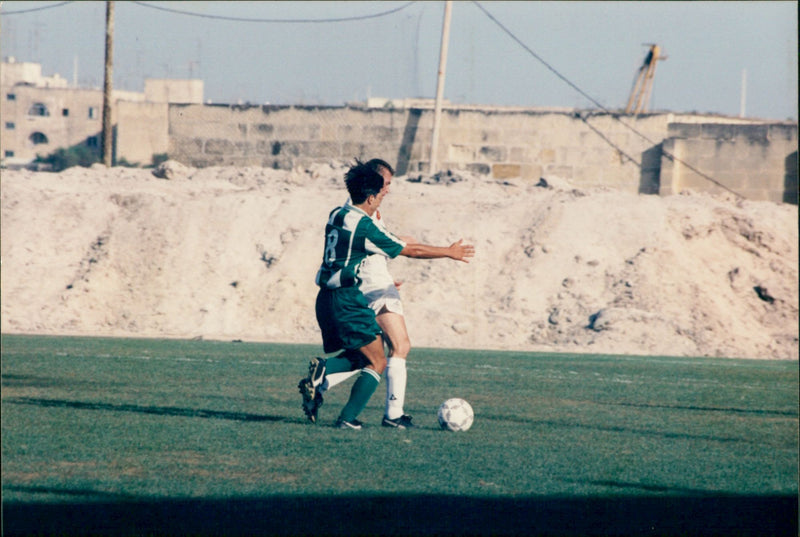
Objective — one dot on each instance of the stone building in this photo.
(41, 114)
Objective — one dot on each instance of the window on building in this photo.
(8, 153)
(10, 125)
(39, 109)
(93, 141)
(11, 96)
(92, 112)
(38, 138)
(65, 112)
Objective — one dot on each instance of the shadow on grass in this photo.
(616, 429)
(407, 515)
(141, 409)
(757, 411)
(37, 381)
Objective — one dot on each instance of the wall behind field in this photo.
(756, 161)
(586, 148)
(142, 131)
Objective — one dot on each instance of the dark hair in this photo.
(362, 182)
(376, 164)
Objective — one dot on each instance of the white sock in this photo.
(396, 376)
(336, 378)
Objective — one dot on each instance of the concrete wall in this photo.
(755, 161)
(585, 149)
(751, 157)
(142, 131)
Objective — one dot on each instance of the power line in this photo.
(608, 141)
(276, 21)
(596, 103)
(42, 8)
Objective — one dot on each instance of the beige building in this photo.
(41, 114)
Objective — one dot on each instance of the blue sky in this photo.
(598, 46)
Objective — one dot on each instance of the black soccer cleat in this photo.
(312, 399)
(403, 422)
(343, 424)
(316, 371)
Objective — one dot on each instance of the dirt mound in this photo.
(231, 253)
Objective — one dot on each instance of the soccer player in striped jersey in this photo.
(345, 319)
(382, 293)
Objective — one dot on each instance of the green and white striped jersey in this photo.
(350, 236)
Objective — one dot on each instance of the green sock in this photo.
(365, 385)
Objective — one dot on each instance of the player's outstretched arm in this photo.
(458, 251)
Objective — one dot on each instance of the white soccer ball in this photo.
(456, 415)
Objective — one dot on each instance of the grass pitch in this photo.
(154, 437)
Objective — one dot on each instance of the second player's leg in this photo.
(395, 334)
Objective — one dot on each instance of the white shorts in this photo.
(388, 297)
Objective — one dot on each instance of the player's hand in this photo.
(461, 252)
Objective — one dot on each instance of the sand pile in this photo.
(231, 253)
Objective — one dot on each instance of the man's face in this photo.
(379, 196)
(387, 180)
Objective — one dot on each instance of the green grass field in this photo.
(155, 437)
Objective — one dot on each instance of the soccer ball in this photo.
(456, 415)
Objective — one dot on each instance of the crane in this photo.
(643, 85)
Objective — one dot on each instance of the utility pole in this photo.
(437, 113)
(743, 100)
(108, 136)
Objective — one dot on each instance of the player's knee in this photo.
(379, 363)
(373, 353)
(402, 347)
